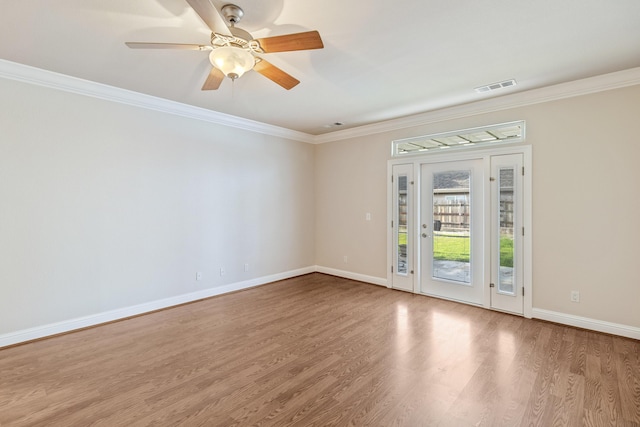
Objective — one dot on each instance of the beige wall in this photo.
(586, 155)
(104, 206)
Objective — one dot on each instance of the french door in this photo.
(457, 229)
(451, 230)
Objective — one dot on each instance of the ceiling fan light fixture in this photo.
(232, 61)
(232, 49)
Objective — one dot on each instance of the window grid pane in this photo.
(506, 179)
(402, 225)
(451, 226)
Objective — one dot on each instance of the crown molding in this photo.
(571, 89)
(37, 76)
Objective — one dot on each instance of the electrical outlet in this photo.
(199, 275)
(246, 267)
(222, 271)
(367, 216)
(345, 259)
(575, 296)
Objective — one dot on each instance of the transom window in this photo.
(468, 138)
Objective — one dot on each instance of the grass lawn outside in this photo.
(456, 248)
(448, 247)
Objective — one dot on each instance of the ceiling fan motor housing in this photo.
(232, 13)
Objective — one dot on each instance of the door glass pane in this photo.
(451, 226)
(402, 224)
(505, 184)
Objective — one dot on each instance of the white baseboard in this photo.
(587, 323)
(109, 316)
(121, 313)
(353, 276)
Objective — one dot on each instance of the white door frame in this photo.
(485, 155)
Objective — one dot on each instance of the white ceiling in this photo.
(382, 60)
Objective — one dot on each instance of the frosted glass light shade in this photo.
(232, 61)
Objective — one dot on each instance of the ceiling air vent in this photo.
(495, 86)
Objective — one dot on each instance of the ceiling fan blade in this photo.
(214, 79)
(209, 14)
(291, 42)
(143, 45)
(275, 74)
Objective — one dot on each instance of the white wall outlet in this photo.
(246, 267)
(367, 216)
(345, 259)
(222, 271)
(575, 296)
(199, 275)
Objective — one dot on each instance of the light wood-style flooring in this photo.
(319, 350)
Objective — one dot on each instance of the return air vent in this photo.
(495, 86)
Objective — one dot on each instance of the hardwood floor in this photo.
(323, 351)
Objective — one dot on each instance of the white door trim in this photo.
(484, 154)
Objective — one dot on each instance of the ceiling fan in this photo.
(233, 50)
